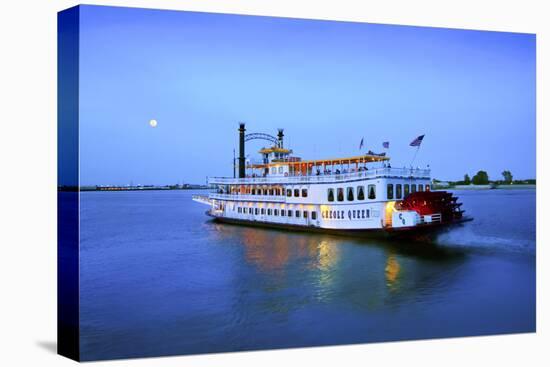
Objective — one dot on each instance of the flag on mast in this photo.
(386, 144)
(361, 144)
(416, 142)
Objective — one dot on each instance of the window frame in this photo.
(373, 186)
(330, 195)
(350, 190)
(340, 194)
(361, 190)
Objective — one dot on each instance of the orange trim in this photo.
(319, 162)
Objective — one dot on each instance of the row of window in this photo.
(352, 214)
(280, 192)
(272, 192)
(274, 170)
(277, 212)
(403, 190)
(352, 193)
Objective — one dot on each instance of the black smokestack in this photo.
(241, 150)
(280, 136)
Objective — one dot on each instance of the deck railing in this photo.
(246, 197)
(327, 178)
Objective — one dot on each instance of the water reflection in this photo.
(392, 272)
(361, 273)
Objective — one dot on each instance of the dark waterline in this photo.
(159, 278)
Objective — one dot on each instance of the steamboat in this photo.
(359, 195)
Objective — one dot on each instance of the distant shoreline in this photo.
(487, 187)
(124, 188)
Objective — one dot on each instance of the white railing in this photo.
(201, 199)
(269, 198)
(327, 178)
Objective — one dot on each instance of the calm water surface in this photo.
(159, 278)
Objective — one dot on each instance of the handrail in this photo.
(247, 197)
(322, 178)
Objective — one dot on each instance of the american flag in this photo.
(386, 144)
(361, 144)
(416, 142)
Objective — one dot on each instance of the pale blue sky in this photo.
(327, 83)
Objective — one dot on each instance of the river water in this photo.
(158, 277)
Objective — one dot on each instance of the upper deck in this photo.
(382, 172)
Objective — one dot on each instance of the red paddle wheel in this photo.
(434, 202)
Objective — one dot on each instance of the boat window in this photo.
(360, 192)
(297, 192)
(390, 191)
(363, 213)
(330, 195)
(263, 211)
(406, 187)
(268, 211)
(313, 215)
(304, 193)
(427, 187)
(413, 188)
(368, 213)
(305, 214)
(420, 187)
(253, 192)
(350, 193)
(274, 170)
(256, 211)
(280, 169)
(398, 191)
(238, 210)
(354, 214)
(340, 194)
(297, 214)
(290, 213)
(372, 192)
(341, 214)
(271, 192)
(288, 192)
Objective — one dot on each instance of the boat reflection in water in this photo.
(321, 269)
(392, 272)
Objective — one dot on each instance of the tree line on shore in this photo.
(482, 178)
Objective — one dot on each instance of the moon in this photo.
(153, 123)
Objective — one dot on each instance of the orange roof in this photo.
(367, 158)
(274, 150)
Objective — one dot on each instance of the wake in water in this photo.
(467, 238)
